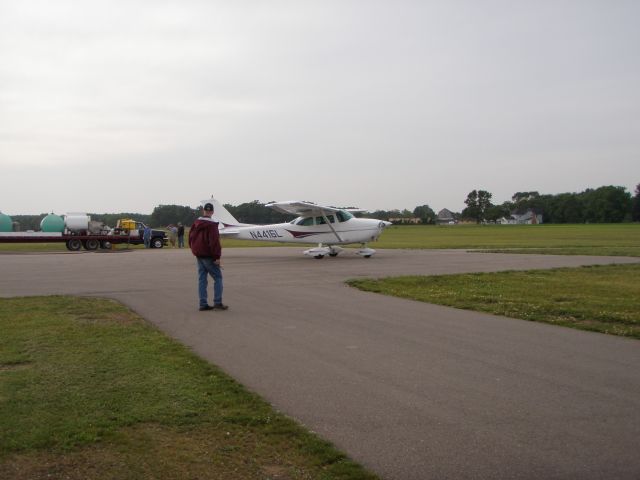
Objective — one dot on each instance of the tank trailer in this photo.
(77, 231)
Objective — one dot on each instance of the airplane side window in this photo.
(320, 221)
(306, 222)
(331, 219)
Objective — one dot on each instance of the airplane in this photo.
(326, 226)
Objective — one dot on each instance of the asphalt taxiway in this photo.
(411, 390)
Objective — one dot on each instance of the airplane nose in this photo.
(384, 224)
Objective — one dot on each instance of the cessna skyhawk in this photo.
(326, 226)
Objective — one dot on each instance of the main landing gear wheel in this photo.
(319, 257)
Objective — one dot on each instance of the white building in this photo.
(527, 218)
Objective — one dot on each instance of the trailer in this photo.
(77, 231)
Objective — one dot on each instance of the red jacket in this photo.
(204, 238)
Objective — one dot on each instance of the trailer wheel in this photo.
(105, 245)
(74, 245)
(91, 244)
(157, 242)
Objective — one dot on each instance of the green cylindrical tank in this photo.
(6, 225)
(52, 223)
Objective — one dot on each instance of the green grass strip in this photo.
(596, 239)
(603, 299)
(600, 239)
(88, 389)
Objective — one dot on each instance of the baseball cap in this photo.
(208, 207)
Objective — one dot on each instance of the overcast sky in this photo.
(113, 106)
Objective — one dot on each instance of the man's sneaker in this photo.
(206, 307)
(220, 306)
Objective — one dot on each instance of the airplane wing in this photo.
(303, 208)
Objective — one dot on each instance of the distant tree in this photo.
(607, 205)
(425, 214)
(523, 196)
(473, 210)
(257, 212)
(478, 202)
(635, 212)
(164, 215)
(379, 214)
(496, 212)
(564, 208)
(484, 202)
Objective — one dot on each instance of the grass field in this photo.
(609, 239)
(603, 299)
(597, 239)
(89, 390)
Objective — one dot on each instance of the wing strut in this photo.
(324, 215)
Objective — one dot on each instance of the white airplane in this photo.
(326, 226)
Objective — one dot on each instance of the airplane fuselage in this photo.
(355, 230)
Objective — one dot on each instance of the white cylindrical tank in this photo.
(77, 221)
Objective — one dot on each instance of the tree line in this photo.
(609, 204)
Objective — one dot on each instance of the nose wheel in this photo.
(365, 251)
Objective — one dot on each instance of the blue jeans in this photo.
(207, 267)
(180, 241)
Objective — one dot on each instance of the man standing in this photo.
(204, 240)
(146, 237)
(180, 235)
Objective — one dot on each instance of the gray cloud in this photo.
(369, 103)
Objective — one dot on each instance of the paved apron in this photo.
(411, 390)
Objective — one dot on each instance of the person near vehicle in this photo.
(173, 232)
(146, 236)
(180, 235)
(204, 240)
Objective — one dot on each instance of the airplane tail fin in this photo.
(222, 215)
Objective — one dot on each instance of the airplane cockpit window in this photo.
(344, 216)
(305, 221)
(322, 221)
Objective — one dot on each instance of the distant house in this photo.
(406, 220)
(445, 217)
(529, 217)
